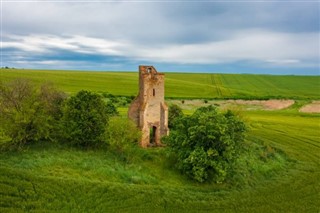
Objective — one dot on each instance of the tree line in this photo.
(31, 114)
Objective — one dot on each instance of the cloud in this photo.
(44, 43)
(273, 34)
(246, 45)
(158, 22)
(283, 61)
(43, 62)
(250, 45)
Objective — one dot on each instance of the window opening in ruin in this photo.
(153, 130)
(154, 92)
(149, 70)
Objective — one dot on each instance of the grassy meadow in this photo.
(284, 177)
(179, 85)
(55, 178)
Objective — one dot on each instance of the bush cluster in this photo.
(29, 114)
(84, 119)
(118, 101)
(122, 136)
(206, 143)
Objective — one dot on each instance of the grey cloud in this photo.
(244, 45)
(285, 33)
(158, 22)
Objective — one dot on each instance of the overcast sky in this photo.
(277, 37)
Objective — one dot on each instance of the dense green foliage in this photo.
(46, 178)
(207, 143)
(84, 119)
(118, 101)
(122, 136)
(28, 114)
(111, 109)
(175, 112)
(179, 85)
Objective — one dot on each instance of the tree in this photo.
(84, 119)
(52, 100)
(206, 144)
(174, 112)
(25, 114)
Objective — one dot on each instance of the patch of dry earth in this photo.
(266, 104)
(277, 104)
(244, 104)
(313, 107)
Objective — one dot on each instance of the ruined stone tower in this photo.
(148, 109)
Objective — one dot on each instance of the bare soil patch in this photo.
(265, 104)
(277, 104)
(232, 104)
(313, 107)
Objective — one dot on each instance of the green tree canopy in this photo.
(84, 119)
(206, 143)
(28, 114)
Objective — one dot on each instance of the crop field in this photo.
(56, 178)
(179, 85)
(53, 178)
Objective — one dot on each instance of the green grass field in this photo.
(54, 178)
(179, 85)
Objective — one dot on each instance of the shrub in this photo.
(27, 114)
(84, 119)
(174, 112)
(111, 109)
(206, 144)
(52, 100)
(122, 136)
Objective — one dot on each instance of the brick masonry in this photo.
(148, 110)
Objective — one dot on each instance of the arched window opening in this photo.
(154, 92)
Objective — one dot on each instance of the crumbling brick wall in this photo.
(148, 109)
